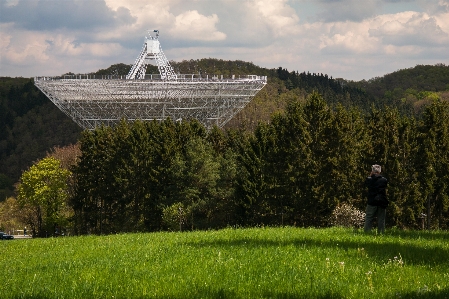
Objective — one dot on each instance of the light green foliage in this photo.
(174, 217)
(43, 193)
(232, 263)
(428, 95)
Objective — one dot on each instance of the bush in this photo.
(347, 216)
(174, 216)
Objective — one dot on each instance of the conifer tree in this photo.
(196, 174)
(250, 183)
(393, 145)
(434, 166)
(347, 142)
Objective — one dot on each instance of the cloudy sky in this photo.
(350, 39)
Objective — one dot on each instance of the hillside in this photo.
(30, 125)
(419, 78)
(408, 89)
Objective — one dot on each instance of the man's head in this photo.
(376, 169)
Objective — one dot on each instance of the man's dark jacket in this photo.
(377, 190)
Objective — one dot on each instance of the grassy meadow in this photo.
(231, 263)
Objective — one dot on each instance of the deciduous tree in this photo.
(43, 192)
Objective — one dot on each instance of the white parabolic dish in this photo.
(92, 101)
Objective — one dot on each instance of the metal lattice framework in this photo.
(92, 101)
(152, 51)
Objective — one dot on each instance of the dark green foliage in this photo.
(333, 90)
(251, 182)
(418, 78)
(218, 67)
(310, 161)
(394, 144)
(47, 126)
(304, 145)
(128, 174)
(29, 126)
(6, 186)
(406, 89)
(119, 69)
(292, 171)
(434, 163)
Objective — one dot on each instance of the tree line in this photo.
(294, 170)
(30, 124)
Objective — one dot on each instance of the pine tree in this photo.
(393, 146)
(434, 166)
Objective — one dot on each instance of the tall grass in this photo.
(231, 263)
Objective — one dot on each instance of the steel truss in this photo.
(92, 102)
(152, 50)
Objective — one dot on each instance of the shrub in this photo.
(347, 216)
(174, 216)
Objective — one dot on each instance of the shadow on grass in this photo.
(441, 294)
(212, 294)
(226, 294)
(375, 247)
(421, 234)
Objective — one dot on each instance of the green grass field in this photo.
(231, 263)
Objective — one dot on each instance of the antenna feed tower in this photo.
(152, 50)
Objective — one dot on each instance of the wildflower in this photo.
(370, 281)
(424, 289)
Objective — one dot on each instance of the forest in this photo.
(298, 151)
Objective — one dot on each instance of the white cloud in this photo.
(442, 20)
(158, 14)
(147, 15)
(194, 26)
(410, 28)
(276, 15)
(11, 2)
(385, 34)
(345, 38)
(23, 48)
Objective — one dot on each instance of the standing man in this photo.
(377, 199)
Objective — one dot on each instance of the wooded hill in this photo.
(30, 125)
(296, 170)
